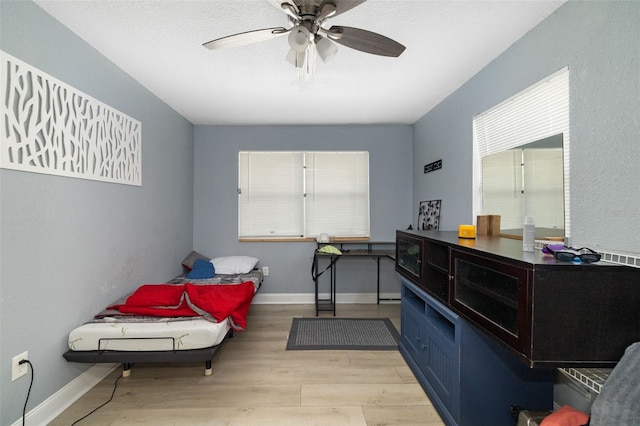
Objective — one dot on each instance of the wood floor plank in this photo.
(272, 355)
(288, 374)
(362, 394)
(290, 416)
(406, 374)
(416, 415)
(376, 358)
(256, 381)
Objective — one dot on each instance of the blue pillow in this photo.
(201, 269)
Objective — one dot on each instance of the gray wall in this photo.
(216, 200)
(600, 42)
(69, 246)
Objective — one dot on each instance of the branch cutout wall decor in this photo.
(50, 127)
(429, 215)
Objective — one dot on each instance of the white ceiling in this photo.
(159, 43)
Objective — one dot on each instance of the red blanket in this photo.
(214, 302)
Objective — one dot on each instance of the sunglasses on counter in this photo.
(568, 254)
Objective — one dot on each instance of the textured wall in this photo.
(71, 246)
(216, 200)
(600, 43)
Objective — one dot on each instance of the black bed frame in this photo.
(128, 358)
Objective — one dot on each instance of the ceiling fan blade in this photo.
(364, 41)
(342, 6)
(327, 11)
(290, 8)
(242, 39)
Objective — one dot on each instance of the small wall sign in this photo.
(436, 165)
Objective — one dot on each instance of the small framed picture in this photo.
(429, 215)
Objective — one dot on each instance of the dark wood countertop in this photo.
(499, 247)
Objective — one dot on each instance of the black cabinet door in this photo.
(436, 271)
(492, 295)
(409, 252)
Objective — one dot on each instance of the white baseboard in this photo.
(309, 298)
(53, 406)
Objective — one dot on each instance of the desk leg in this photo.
(315, 279)
(378, 275)
(333, 286)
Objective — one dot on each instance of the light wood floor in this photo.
(256, 382)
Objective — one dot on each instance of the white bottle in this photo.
(528, 234)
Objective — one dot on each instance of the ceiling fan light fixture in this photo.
(296, 58)
(307, 37)
(305, 74)
(299, 38)
(326, 48)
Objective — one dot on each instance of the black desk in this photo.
(352, 250)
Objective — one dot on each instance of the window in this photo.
(531, 118)
(302, 194)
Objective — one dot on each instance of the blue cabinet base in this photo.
(438, 403)
(470, 379)
(493, 379)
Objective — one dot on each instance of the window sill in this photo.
(299, 240)
(276, 240)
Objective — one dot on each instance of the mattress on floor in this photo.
(110, 330)
(186, 334)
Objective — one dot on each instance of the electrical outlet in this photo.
(265, 271)
(19, 370)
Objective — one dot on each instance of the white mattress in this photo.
(196, 333)
(158, 334)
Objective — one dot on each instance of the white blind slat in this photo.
(337, 200)
(540, 111)
(271, 192)
(294, 194)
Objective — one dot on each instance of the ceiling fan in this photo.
(307, 36)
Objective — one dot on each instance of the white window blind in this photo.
(270, 194)
(538, 112)
(337, 187)
(288, 194)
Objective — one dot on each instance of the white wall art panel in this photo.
(50, 127)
